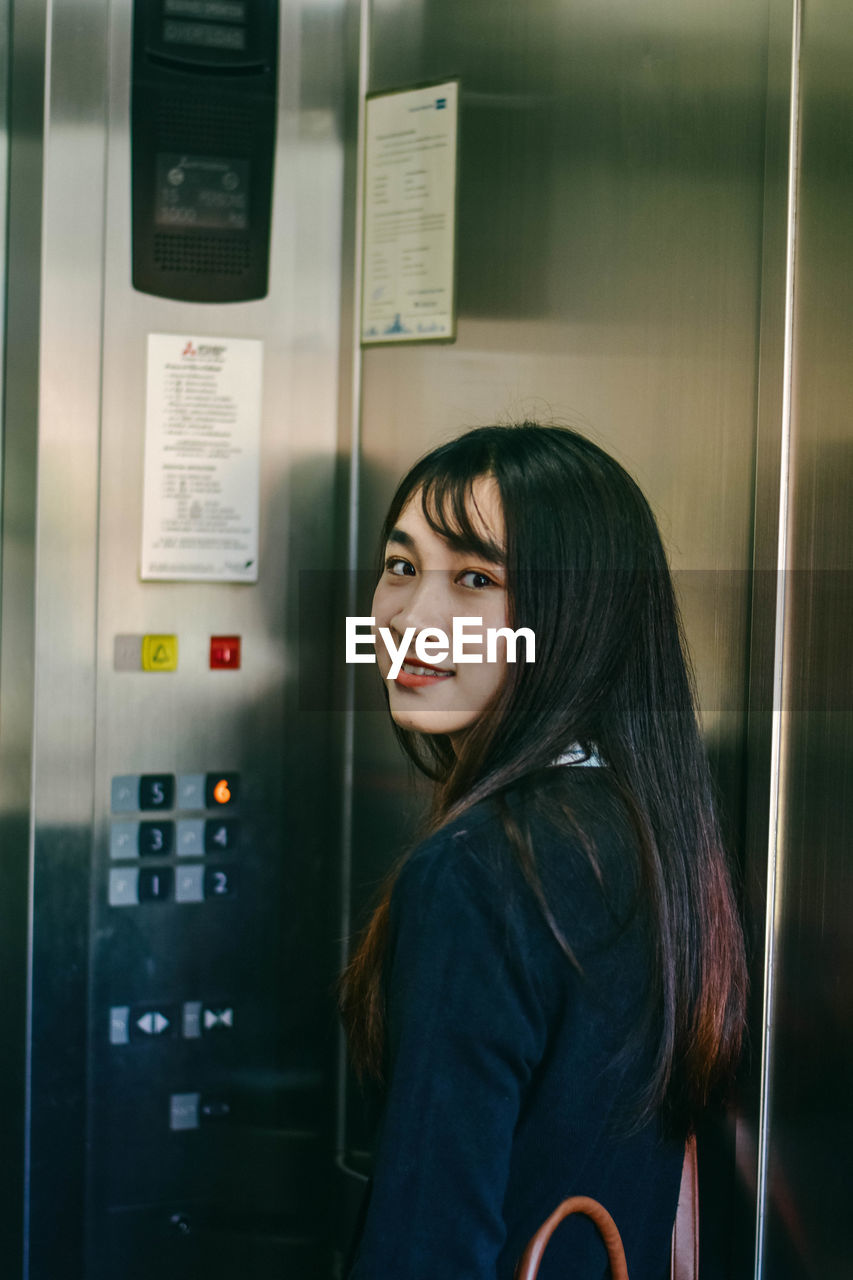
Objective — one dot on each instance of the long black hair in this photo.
(587, 572)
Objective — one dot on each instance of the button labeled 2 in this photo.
(220, 882)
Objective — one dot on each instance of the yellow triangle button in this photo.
(159, 653)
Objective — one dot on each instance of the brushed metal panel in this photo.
(811, 1118)
(268, 721)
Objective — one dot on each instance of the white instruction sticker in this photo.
(202, 458)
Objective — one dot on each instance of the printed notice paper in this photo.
(202, 459)
(410, 215)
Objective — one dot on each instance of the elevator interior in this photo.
(652, 245)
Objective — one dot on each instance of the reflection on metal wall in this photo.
(810, 1118)
(179, 1067)
(609, 276)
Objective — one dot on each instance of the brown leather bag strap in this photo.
(685, 1233)
(528, 1268)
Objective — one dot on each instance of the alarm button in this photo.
(224, 653)
(221, 790)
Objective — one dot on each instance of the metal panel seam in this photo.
(352, 549)
(777, 768)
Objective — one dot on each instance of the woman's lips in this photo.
(416, 675)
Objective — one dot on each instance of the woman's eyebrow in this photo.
(404, 539)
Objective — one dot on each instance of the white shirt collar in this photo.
(577, 756)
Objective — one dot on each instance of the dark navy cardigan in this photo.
(505, 1093)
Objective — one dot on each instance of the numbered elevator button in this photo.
(221, 835)
(124, 793)
(124, 887)
(156, 839)
(157, 791)
(220, 882)
(155, 884)
(190, 843)
(124, 840)
(221, 790)
(189, 886)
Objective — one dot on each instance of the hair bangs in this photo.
(450, 508)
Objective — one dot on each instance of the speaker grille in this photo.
(202, 255)
(187, 124)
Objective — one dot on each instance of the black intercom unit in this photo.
(203, 117)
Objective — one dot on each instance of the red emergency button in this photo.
(224, 653)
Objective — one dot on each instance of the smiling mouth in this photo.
(416, 669)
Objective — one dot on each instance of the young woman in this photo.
(553, 984)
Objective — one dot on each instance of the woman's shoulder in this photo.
(573, 822)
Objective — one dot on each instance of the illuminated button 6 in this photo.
(221, 835)
(155, 885)
(157, 791)
(221, 790)
(220, 882)
(156, 839)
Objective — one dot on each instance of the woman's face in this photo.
(426, 583)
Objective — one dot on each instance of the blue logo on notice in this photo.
(440, 104)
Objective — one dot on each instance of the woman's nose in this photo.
(427, 604)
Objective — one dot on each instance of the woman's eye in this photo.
(401, 568)
(473, 578)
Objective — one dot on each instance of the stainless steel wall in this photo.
(808, 1105)
(85, 1122)
(610, 275)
